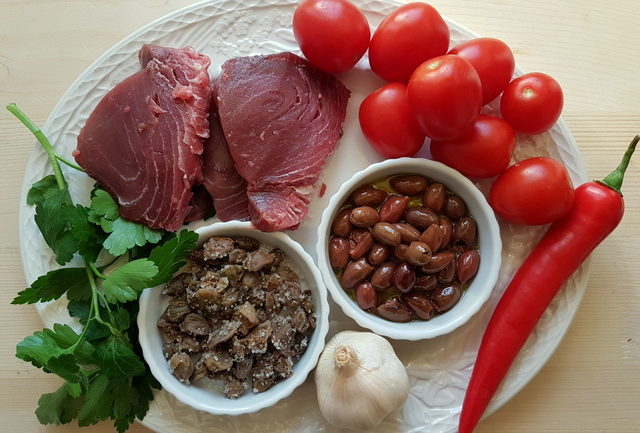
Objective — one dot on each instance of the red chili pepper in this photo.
(597, 210)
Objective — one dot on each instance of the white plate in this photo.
(440, 368)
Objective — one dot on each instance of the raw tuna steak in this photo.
(282, 118)
(144, 139)
(227, 188)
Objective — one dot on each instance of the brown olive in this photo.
(338, 252)
(425, 283)
(408, 184)
(368, 196)
(468, 264)
(399, 252)
(392, 209)
(421, 217)
(447, 275)
(395, 311)
(366, 296)
(447, 231)
(438, 262)
(360, 242)
(387, 234)
(363, 216)
(444, 298)
(378, 254)
(341, 225)
(421, 305)
(433, 197)
(355, 272)
(454, 207)
(464, 233)
(433, 237)
(404, 277)
(418, 253)
(408, 233)
(382, 277)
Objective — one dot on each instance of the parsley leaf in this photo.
(59, 407)
(87, 236)
(117, 359)
(125, 234)
(103, 205)
(53, 285)
(98, 402)
(42, 188)
(171, 255)
(126, 282)
(53, 225)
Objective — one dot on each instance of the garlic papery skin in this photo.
(359, 380)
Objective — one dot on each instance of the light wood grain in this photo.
(591, 384)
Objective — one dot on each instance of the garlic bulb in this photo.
(359, 380)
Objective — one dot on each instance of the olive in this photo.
(366, 296)
(444, 298)
(421, 305)
(438, 262)
(338, 252)
(421, 217)
(447, 275)
(433, 197)
(433, 237)
(425, 283)
(408, 233)
(360, 242)
(395, 311)
(387, 234)
(399, 252)
(382, 277)
(468, 264)
(368, 196)
(363, 216)
(404, 277)
(447, 231)
(341, 225)
(418, 253)
(454, 207)
(355, 272)
(378, 254)
(464, 233)
(392, 209)
(408, 184)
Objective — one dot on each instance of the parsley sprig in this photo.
(105, 376)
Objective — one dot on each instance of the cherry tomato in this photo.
(445, 95)
(532, 192)
(410, 35)
(483, 151)
(532, 103)
(388, 123)
(332, 34)
(492, 60)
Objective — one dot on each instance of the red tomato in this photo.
(388, 123)
(483, 151)
(446, 96)
(532, 192)
(492, 60)
(413, 33)
(332, 34)
(532, 103)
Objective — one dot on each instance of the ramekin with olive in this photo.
(404, 248)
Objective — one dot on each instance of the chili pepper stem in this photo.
(615, 178)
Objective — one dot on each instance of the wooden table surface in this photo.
(592, 382)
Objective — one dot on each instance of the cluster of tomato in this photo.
(438, 93)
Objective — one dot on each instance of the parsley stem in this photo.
(94, 302)
(44, 142)
(96, 271)
(69, 163)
